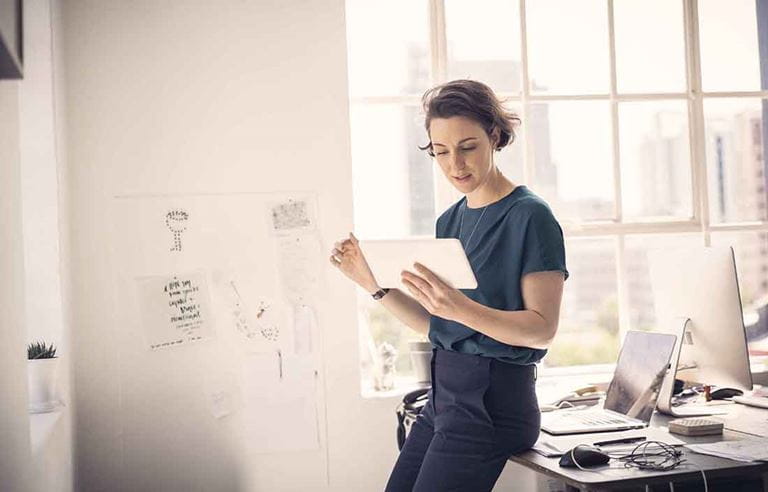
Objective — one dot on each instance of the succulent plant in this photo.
(39, 350)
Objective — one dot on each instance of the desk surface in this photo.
(615, 474)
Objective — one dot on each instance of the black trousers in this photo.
(480, 411)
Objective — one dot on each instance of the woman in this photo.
(482, 406)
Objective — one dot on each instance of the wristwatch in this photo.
(379, 294)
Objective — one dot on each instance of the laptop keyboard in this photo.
(594, 419)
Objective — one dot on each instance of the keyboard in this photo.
(752, 401)
(581, 421)
(593, 418)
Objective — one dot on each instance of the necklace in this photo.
(461, 225)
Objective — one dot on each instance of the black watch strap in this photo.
(379, 294)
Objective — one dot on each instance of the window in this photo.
(643, 126)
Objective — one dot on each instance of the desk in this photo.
(615, 476)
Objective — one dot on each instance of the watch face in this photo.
(380, 293)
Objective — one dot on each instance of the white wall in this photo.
(204, 96)
(52, 438)
(14, 422)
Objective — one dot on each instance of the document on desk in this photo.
(756, 427)
(748, 420)
(745, 450)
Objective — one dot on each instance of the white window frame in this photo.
(617, 227)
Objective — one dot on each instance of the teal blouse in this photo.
(516, 235)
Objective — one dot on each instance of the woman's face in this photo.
(463, 151)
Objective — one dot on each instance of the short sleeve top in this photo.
(505, 240)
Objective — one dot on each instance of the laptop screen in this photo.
(640, 370)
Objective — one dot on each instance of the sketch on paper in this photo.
(255, 318)
(240, 315)
(176, 221)
(175, 310)
(265, 326)
(292, 215)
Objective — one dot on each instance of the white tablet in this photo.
(445, 257)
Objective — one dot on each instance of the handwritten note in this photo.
(299, 263)
(175, 310)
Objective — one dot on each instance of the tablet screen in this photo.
(445, 257)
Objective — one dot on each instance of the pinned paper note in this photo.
(300, 263)
(304, 323)
(223, 394)
(292, 215)
(280, 388)
(260, 323)
(175, 310)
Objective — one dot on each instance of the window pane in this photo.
(378, 327)
(384, 59)
(642, 315)
(730, 59)
(735, 159)
(589, 322)
(392, 179)
(484, 43)
(510, 159)
(655, 160)
(571, 153)
(648, 62)
(568, 46)
(751, 252)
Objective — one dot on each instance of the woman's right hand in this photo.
(348, 257)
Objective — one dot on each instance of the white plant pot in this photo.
(41, 374)
(421, 357)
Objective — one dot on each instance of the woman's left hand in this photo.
(437, 297)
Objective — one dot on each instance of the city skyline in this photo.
(571, 153)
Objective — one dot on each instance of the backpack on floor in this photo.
(407, 411)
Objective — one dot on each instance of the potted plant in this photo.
(421, 357)
(41, 374)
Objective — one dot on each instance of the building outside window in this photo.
(643, 127)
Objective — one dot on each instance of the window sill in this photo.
(42, 426)
(551, 380)
(584, 370)
(403, 385)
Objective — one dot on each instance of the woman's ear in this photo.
(495, 137)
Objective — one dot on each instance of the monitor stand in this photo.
(682, 326)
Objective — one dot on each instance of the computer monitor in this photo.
(700, 285)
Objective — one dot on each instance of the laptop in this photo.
(632, 394)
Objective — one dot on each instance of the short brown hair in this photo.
(471, 99)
